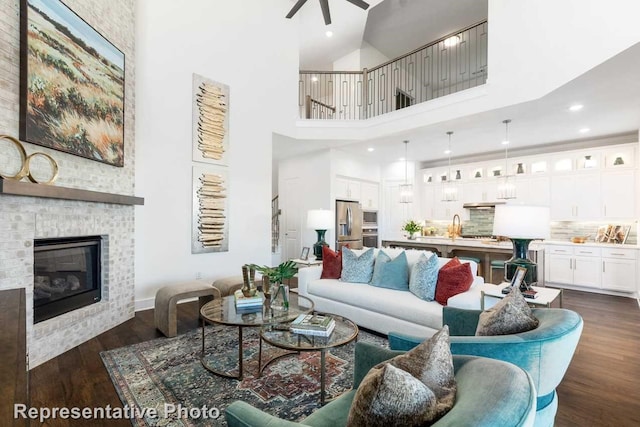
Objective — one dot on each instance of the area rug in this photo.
(166, 374)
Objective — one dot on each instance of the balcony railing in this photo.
(448, 65)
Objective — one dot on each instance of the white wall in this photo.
(248, 46)
(315, 184)
(370, 56)
(346, 164)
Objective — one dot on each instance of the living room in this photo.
(164, 45)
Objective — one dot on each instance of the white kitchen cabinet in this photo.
(370, 196)
(346, 188)
(576, 197)
(619, 269)
(573, 266)
(618, 201)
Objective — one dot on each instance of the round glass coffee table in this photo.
(278, 335)
(223, 312)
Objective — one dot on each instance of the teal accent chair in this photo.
(545, 352)
(490, 393)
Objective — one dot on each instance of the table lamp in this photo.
(521, 224)
(320, 220)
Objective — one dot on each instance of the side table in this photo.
(546, 296)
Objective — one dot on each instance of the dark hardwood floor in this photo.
(601, 387)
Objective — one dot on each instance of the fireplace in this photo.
(66, 275)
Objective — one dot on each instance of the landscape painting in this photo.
(72, 84)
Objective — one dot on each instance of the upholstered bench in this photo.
(167, 297)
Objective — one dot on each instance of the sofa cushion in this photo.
(357, 268)
(331, 263)
(389, 395)
(391, 273)
(431, 363)
(424, 277)
(512, 315)
(399, 304)
(453, 278)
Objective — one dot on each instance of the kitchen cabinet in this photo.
(435, 209)
(573, 266)
(370, 196)
(576, 197)
(534, 191)
(619, 269)
(346, 188)
(618, 201)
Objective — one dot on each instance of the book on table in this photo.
(315, 322)
(242, 301)
(529, 293)
(315, 332)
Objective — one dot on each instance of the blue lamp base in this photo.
(520, 259)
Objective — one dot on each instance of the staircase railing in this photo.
(450, 64)
(275, 225)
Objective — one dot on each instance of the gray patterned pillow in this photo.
(389, 396)
(432, 364)
(357, 269)
(512, 315)
(424, 277)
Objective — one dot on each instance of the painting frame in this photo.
(72, 84)
(613, 233)
(210, 210)
(210, 122)
(304, 255)
(518, 277)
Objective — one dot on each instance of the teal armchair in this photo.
(545, 352)
(490, 393)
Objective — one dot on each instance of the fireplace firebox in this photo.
(66, 275)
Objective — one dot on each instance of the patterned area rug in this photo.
(167, 371)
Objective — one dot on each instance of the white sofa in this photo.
(382, 309)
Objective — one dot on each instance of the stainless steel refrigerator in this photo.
(348, 224)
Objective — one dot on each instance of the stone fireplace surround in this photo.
(23, 219)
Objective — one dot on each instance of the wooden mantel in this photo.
(16, 188)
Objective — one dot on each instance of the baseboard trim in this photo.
(149, 303)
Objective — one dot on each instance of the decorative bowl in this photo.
(578, 239)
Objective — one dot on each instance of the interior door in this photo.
(291, 218)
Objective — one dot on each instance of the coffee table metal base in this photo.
(203, 359)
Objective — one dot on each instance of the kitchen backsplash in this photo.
(481, 223)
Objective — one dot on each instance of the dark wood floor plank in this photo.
(600, 387)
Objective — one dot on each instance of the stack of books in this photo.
(247, 304)
(529, 293)
(313, 324)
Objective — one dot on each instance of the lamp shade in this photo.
(521, 222)
(320, 219)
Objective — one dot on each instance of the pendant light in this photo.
(506, 184)
(406, 189)
(449, 188)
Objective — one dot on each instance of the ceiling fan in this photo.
(324, 5)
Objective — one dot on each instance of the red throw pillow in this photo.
(453, 279)
(331, 263)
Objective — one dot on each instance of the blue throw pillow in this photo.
(356, 269)
(393, 274)
(424, 277)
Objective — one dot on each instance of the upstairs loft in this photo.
(455, 62)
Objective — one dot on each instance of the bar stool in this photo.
(496, 264)
(476, 260)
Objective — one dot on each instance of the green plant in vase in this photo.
(275, 276)
(412, 227)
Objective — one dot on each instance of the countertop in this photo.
(488, 243)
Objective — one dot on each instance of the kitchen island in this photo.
(486, 250)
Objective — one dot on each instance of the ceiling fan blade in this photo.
(295, 8)
(324, 4)
(361, 4)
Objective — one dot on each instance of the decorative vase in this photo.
(412, 236)
(266, 286)
(478, 174)
(458, 176)
(248, 281)
(520, 168)
(496, 172)
(618, 161)
(280, 298)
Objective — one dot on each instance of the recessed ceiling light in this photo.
(401, 159)
(505, 142)
(451, 41)
(370, 149)
(314, 79)
(576, 107)
(447, 151)
(329, 33)
(584, 130)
